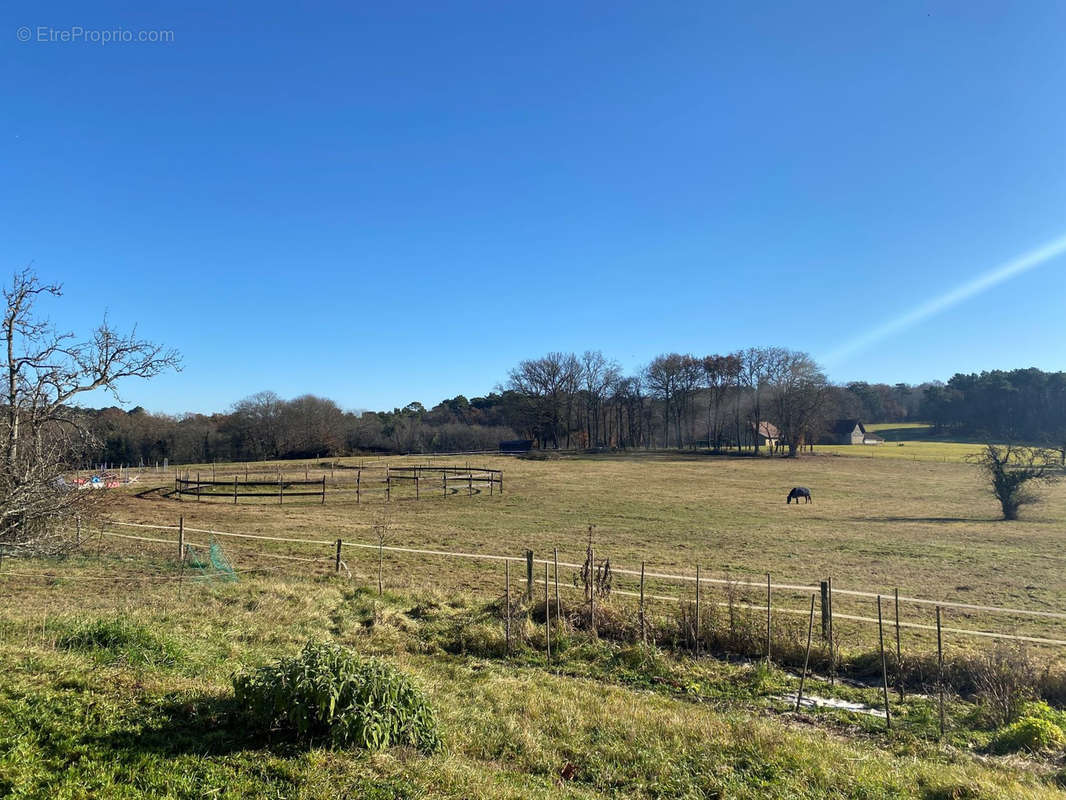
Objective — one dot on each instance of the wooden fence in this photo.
(236, 488)
(460, 477)
(426, 479)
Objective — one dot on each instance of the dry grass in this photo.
(877, 522)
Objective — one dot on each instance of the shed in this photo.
(767, 434)
(845, 431)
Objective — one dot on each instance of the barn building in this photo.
(767, 434)
(849, 431)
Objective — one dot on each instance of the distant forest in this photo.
(585, 401)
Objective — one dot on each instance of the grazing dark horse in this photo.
(798, 492)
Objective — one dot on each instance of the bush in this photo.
(119, 639)
(1004, 679)
(1029, 733)
(328, 692)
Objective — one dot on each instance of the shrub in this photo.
(1029, 733)
(1004, 678)
(328, 692)
(120, 639)
(1042, 710)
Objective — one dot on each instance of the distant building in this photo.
(767, 434)
(849, 431)
(516, 446)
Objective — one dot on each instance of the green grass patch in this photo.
(605, 719)
(119, 639)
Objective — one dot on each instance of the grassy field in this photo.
(928, 527)
(118, 686)
(912, 441)
(148, 714)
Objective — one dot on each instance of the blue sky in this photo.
(382, 203)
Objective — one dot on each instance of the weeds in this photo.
(329, 693)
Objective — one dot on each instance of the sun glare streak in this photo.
(1016, 266)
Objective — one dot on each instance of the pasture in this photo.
(923, 526)
(118, 661)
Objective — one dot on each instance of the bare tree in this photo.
(799, 394)
(547, 384)
(754, 365)
(717, 370)
(255, 425)
(662, 377)
(43, 433)
(1013, 472)
(599, 375)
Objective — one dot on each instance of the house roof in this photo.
(842, 426)
(767, 430)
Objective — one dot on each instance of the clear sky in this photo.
(388, 202)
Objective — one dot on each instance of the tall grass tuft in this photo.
(327, 692)
(119, 640)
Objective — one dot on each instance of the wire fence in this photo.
(672, 587)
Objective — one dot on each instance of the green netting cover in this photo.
(212, 562)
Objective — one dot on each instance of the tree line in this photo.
(560, 400)
(745, 399)
(1020, 405)
(731, 402)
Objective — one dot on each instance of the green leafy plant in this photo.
(329, 692)
(1029, 733)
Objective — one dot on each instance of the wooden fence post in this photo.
(529, 576)
(768, 654)
(807, 656)
(558, 605)
(696, 643)
(643, 626)
(234, 490)
(469, 483)
(899, 652)
(547, 617)
(388, 482)
(823, 587)
(323, 490)
(940, 669)
(418, 471)
(358, 485)
(381, 561)
(507, 600)
(832, 641)
(338, 561)
(884, 667)
(592, 592)
(198, 486)
(501, 481)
